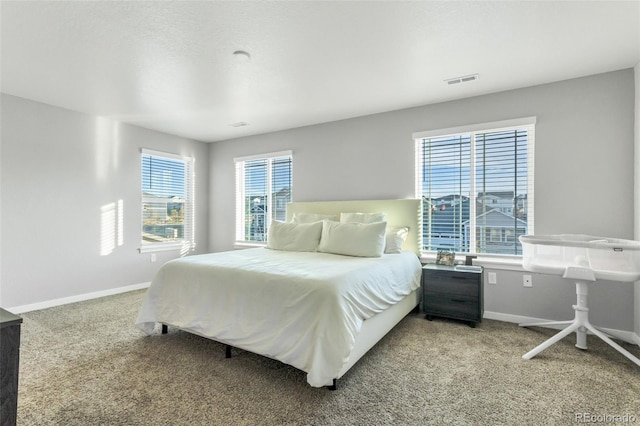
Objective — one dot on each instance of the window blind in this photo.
(502, 191)
(445, 191)
(263, 189)
(477, 189)
(167, 200)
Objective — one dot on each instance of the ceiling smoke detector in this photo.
(463, 79)
(242, 56)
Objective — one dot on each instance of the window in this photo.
(476, 184)
(263, 189)
(167, 202)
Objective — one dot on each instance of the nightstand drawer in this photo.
(455, 306)
(455, 283)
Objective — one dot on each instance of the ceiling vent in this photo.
(464, 79)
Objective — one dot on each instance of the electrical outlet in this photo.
(527, 281)
(492, 278)
(153, 257)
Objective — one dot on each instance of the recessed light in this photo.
(241, 55)
(239, 124)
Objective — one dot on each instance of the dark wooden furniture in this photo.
(9, 361)
(453, 292)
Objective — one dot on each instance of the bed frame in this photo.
(405, 212)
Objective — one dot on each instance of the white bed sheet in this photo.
(304, 309)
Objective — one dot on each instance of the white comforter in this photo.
(304, 309)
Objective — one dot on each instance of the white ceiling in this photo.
(169, 65)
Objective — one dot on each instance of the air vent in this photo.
(464, 79)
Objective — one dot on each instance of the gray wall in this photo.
(583, 184)
(637, 192)
(60, 173)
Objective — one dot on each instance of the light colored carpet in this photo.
(86, 364)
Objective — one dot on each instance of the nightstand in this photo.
(453, 292)
(9, 364)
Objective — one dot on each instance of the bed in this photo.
(316, 309)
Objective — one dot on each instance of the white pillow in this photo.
(312, 217)
(353, 239)
(294, 236)
(395, 239)
(362, 217)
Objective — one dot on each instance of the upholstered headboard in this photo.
(406, 212)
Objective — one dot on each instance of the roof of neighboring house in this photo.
(498, 194)
(449, 220)
(494, 218)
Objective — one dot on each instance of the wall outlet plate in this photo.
(527, 281)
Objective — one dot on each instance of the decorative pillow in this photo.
(395, 239)
(294, 236)
(312, 217)
(353, 239)
(362, 217)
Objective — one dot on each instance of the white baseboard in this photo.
(79, 298)
(627, 336)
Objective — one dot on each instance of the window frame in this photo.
(240, 236)
(472, 130)
(187, 242)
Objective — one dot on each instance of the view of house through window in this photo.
(476, 187)
(167, 201)
(263, 189)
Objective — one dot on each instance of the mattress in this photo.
(302, 308)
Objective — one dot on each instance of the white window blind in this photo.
(167, 202)
(263, 189)
(477, 187)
